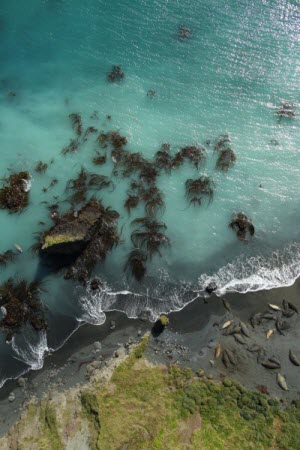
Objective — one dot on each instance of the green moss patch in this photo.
(164, 320)
(49, 241)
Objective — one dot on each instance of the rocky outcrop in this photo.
(81, 239)
(73, 231)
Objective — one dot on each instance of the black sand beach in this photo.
(189, 340)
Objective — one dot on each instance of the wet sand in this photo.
(189, 340)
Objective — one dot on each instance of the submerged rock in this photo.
(21, 382)
(211, 287)
(80, 240)
(98, 346)
(96, 284)
(11, 397)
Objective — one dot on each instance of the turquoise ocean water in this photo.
(239, 64)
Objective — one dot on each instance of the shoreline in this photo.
(189, 340)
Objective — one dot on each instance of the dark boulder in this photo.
(211, 287)
(96, 284)
(160, 325)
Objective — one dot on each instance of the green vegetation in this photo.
(60, 239)
(164, 320)
(89, 402)
(160, 408)
(48, 419)
(139, 351)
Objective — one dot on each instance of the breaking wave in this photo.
(257, 273)
(281, 268)
(31, 350)
(159, 296)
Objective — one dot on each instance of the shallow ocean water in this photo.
(239, 64)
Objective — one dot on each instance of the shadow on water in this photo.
(54, 264)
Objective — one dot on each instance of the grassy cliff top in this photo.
(141, 406)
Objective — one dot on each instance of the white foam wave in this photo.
(26, 185)
(256, 273)
(281, 268)
(29, 352)
(161, 297)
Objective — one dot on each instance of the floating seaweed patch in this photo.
(184, 32)
(223, 141)
(196, 155)
(226, 159)
(94, 115)
(136, 264)
(151, 93)
(163, 159)
(286, 110)
(11, 95)
(274, 142)
(112, 137)
(116, 74)
(131, 163)
(178, 160)
(41, 167)
(242, 225)
(132, 201)
(148, 172)
(88, 131)
(85, 182)
(199, 189)
(82, 135)
(51, 185)
(147, 193)
(76, 123)
(155, 205)
(103, 139)
(72, 147)
(21, 304)
(117, 140)
(99, 160)
(148, 236)
(150, 195)
(14, 195)
(6, 257)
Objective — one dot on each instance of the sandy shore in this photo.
(189, 340)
